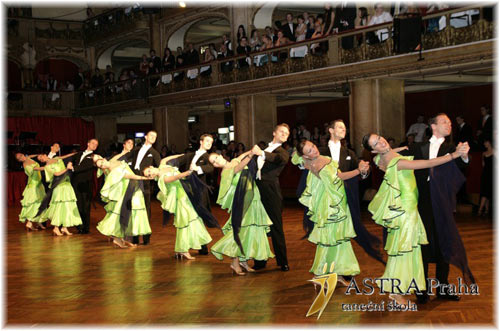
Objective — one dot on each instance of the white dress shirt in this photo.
(334, 149)
(435, 143)
(144, 149)
(262, 158)
(196, 157)
(84, 154)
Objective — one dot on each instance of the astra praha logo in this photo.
(393, 285)
(328, 282)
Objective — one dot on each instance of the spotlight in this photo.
(227, 103)
(346, 89)
(182, 4)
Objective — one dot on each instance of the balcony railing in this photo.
(292, 58)
(41, 101)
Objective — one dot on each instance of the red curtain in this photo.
(67, 131)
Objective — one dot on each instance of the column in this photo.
(254, 118)
(171, 124)
(376, 105)
(105, 130)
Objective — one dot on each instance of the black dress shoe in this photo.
(423, 298)
(285, 267)
(203, 250)
(450, 297)
(258, 266)
(135, 240)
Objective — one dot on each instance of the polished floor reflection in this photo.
(84, 280)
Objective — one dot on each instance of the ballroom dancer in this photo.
(325, 198)
(271, 162)
(190, 229)
(245, 232)
(201, 167)
(33, 194)
(437, 191)
(394, 207)
(126, 213)
(82, 183)
(59, 203)
(141, 158)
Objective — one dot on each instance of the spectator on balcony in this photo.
(262, 59)
(345, 15)
(144, 66)
(310, 27)
(305, 15)
(270, 33)
(255, 42)
(155, 59)
(241, 33)
(329, 19)
(133, 77)
(51, 83)
(318, 27)
(207, 58)
(227, 42)
(243, 49)
(282, 41)
(109, 74)
(124, 77)
(180, 53)
(381, 16)
(192, 56)
(300, 32)
(213, 51)
(288, 29)
(179, 75)
(361, 21)
(168, 60)
(79, 79)
(224, 53)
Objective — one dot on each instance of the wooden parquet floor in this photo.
(83, 280)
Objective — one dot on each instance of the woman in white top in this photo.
(255, 41)
(300, 32)
(381, 16)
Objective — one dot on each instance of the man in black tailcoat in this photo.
(271, 162)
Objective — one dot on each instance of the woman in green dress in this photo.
(253, 221)
(190, 230)
(395, 208)
(33, 194)
(120, 222)
(62, 210)
(326, 199)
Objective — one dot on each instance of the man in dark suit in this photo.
(345, 14)
(289, 27)
(225, 52)
(435, 147)
(141, 158)
(82, 182)
(485, 126)
(271, 162)
(464, 131)
(156, 60)
(199, 164)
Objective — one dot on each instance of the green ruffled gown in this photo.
(254, 225)
(113, 192)
(33, 195)
(395, 208)
(191, 232)
(333, 230)
(62, 210)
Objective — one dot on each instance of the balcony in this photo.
(277, 68)
(40, 103)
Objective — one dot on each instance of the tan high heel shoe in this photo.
(56, 231)
(128, 243)
(184, 255)
(245, 266)
(118, 243)
(399, 299)
(30, 227)
(40, 226)
(66, 231)
(238, 272)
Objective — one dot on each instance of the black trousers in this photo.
(431, 253)
(83, 199)
(270, 193)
